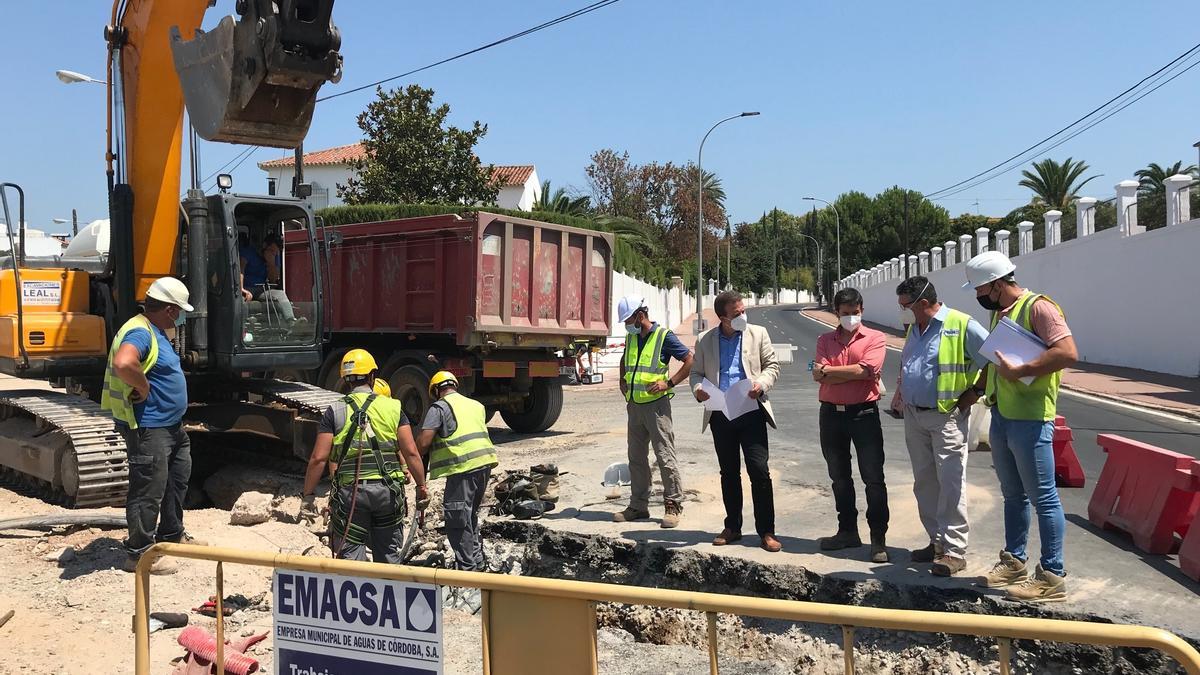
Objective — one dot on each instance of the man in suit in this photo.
(732, 352)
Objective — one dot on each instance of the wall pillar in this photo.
(1024, 237)
(1179, 208)
(1127, 208)
(1085, 216)
(1053, 227)
(1002, 242)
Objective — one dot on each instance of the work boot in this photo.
(162, 566)
(671, 517)
(948, 566)
(187, 538)
(839, 541)
(631, 514)
(1043, 586)
(879, 552)
(928, 554)
(1007, 571)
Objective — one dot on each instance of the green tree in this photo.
(1055, 185)
(413, 156)
(559, 201)
(1152, 179)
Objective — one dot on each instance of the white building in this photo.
(326, 169)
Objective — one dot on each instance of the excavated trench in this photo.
(787, 647)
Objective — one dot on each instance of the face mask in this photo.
(632, 328)
(179, 320)
(739, 322)
(850, 323)
(907, 317)
(986, 301)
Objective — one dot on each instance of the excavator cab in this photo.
(255, 80)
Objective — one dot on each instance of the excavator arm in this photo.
(252, 81)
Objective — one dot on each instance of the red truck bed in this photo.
(481, 278)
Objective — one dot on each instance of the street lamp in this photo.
(838, 218)
(699, 326)
(71, 77)
(820, 269)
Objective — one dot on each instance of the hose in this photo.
(201, 643)
(89, 518)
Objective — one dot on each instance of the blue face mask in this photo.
(181, 319)
(632, 328)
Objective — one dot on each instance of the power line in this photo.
(1177, 59)
(528, 31)
(1107, 115)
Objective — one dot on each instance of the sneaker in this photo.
(948, 566)
(840, 541)
(671, 517)
(925, 555)
(630, 514)
(1043, 586)
(1007, 571)
(160, 567)
(879, 552)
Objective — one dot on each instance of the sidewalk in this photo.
(1166, 393)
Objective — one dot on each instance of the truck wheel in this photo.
(328, 376)
(542, 408)
(410, 386)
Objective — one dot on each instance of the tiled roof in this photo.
(344, 154)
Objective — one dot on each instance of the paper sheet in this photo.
(1018, 345)
(733, 403)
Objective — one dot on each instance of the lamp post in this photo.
(820, 269)
(838, 218)
(72, 77)
(699, 325)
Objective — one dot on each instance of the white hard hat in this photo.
(988, 267)
(171, 291)
(628, 305)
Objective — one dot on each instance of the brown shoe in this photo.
(771, 544)
(670, 519)
(948, 566)
(630, 514)
(727, 536)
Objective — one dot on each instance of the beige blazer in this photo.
(758, 360)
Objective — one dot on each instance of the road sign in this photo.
(327, 624)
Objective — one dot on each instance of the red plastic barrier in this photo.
(1145, 491)
(1189, 551)
(1068, 472)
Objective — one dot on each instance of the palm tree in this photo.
(1153, 177)
(714, 193)
(631, 232)
(1054, 185)
(559, 201)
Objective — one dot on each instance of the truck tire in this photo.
(410, 386)
(542, 408)
(328, 375)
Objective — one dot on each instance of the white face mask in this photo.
(850, 323)
(739, 322)
(907, 317)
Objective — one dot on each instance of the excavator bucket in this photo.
(255, 80)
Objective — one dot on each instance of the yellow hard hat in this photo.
(439, 378)
(358, 362)
(382, 388)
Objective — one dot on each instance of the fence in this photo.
(539, 625)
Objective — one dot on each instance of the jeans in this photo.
(276, 304)
(376, 520)
(858, 424)
(650, 424)
(460, 508)
(160, 464)
(745, 436)
(1023, 453)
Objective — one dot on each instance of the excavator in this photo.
(251, 80)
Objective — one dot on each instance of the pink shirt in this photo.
(866, 348)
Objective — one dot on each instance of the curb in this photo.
(1185, 414)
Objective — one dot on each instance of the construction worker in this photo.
(367, 440)
(146, 392)
(455, 436)
(938, 385)
(1022, 431)
(647, 386)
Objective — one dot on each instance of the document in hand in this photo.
(733, 403)
(1017, 344)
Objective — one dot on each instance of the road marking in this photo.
(1078, 394)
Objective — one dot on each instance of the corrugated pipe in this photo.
(201, 643)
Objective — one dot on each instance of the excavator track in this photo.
(306, 398)
(92, 469)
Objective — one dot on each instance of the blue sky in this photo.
(858, 95)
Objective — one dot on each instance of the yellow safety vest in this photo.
(955, 371)
(383, 418)
(645, 366)
(469, 447)
(115, 396)
(1036, 402)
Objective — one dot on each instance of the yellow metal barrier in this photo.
(549, 625)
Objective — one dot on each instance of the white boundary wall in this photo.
(1130, 300)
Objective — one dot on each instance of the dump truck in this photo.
(491, 298)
